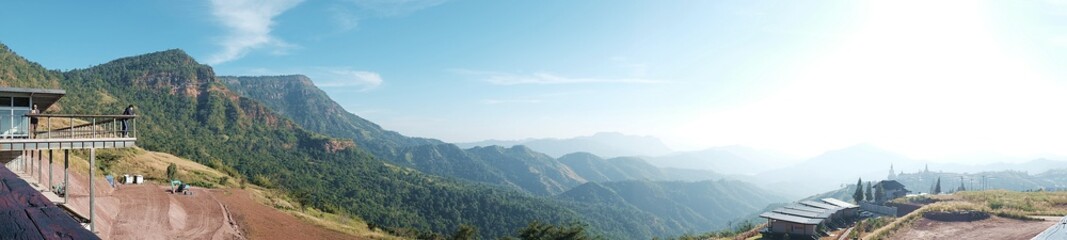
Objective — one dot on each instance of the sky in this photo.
(930, 79)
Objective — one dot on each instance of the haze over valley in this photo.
(441, 119)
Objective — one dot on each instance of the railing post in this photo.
(92, 193)
(71, 127)
(93, 128)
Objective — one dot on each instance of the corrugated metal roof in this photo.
(1058, 231)
(806, 208)
(820, 205)
(800, 213)
(824, 213)
(790, 218)
(839, 203)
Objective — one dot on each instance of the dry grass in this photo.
(336, 222)
(1007, 204)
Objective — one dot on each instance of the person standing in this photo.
(126, 121)
(33, 121)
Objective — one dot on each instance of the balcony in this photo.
(67, 131)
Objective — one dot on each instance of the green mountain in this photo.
(694, 206)
(185, 110)
(533, 171)
(523, 168)
(295, 97)
(596, 169)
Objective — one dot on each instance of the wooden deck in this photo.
(25, 213)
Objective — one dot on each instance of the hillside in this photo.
(596, 169)
(516, 167)
(732, 160)
(607, 144)
(696, 206)
(186, 111)
(296, 97)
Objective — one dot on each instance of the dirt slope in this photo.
(991, 228)
(262, 222)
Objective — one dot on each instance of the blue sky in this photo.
(927, 79)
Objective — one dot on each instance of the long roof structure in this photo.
(839, 203)
(791, 218)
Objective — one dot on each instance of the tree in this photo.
(937, 186)
(540, 231)
(879, 193)
(172, 171)
(465, 232)
(858, 196)
(870, 192)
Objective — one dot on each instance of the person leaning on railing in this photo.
(33, 121)
(126, 121)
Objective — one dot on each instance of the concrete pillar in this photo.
(92, 194)
(66, 174)
(50, 169)
(40, 167)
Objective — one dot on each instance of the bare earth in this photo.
(992, 228)
(149, 211)
(262, 222)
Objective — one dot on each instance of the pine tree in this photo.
(858, 196)
(879, 193)
(937, 186)
(870, 192)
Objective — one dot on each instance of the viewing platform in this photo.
(28, 141)
(77, 131)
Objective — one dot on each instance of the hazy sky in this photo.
(925, 78)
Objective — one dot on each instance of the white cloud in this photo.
(542, 78)
(348, 15)
(249, 23)
(364, 80)
(506, 101)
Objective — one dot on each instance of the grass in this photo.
(1002, 203)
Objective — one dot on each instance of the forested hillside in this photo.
(186, 111)
(347, 165)
(695, 206)
(520, 167)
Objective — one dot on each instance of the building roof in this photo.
(790, 218)
(806, 208)
(801, 213)
(26, 214)
(44, 98)
(839, 203)
(820, 205)
(891, 185)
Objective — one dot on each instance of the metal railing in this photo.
(70, 126)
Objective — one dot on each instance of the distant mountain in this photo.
(726, 160)
(518, 167)
(597, 169)
(833, 169)
(698, 206)
(604, 144)
(534, 171)
(297, 98)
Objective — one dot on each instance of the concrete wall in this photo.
(879, 209)
(792, 228)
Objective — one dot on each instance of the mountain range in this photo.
(605, 144)
(282, 132)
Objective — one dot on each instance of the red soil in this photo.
(992, 228)
(259, 221)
